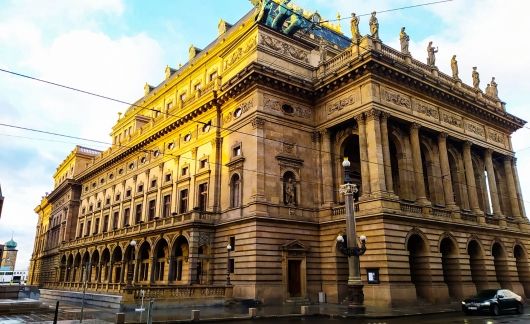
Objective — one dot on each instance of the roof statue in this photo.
(476, 78)
(283, 12)
(404, 41)
(454, 67)
(354, 26)
(491, 89)
(431, 51)
(374, 26)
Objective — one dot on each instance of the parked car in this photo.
(494, 301)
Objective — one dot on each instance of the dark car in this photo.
(494, 301)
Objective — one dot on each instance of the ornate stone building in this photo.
(243, 146)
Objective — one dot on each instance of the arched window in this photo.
(289, 188)
(235, 191)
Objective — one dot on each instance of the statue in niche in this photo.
(289, 188)
(404, 41)
(454, 67)
(282, 13)
(374, 26)
(476, 78)
(431, 57)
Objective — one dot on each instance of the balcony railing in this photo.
(170, 292)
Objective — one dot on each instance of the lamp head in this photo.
(346, 163)
(229, 247)
(340, 238)
(362, 238)
(132, 243)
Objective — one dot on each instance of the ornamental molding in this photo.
(238, 53)
(425, 109)
(496, 137)
(279, 105)
(396, 99)
(336, 106)
(284, 49)
(474, 129)
(451, 119)
(232, 114)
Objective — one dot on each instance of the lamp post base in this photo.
(355, 299)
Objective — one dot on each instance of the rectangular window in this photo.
(126, 215)
(88, 226)
(232, 265)
(237, 151)
(99, 204)
(153, 183)
(197, 87)
(182, 97)
(107, 201)
(152, 208)
(184, 171)
(80, 230)
(117, 197)
(179, 270)
(167, 206)
(213, 75)
(128, 193)
(169, 105)
(141, 188)
(138, 214)
(168, 177)
(115, 220)
(203, 196)
(96, 226)
(105, 223)
(203, 163)
(232, 243)
(183, 201)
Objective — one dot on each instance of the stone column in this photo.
(158, 203)
(386, 152)
(147, 186)
(418, 166)
(446, 172)
(363, 148)
(327, 165)
(512, 190)
(174, 194)
(376, 163)
(494, 194)
(518, 187)
(470, 178)
(258, 124)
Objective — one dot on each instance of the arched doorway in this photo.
(94, 267)
(522, 265)
(161, 255)
(63, 269)
(179, 260)
(85, 272)
(129, 263)
(144, 262)
(116, 265)
(451, 267)
(203, 265)
(501, 265)
(76, 273)
(420, 272)
(104, 271)
(477, 265)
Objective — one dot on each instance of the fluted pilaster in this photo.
(446, 171)
(417, 163)
(363, 153)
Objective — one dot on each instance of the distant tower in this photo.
(9, 256)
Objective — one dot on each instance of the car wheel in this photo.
(495, 311)
(520, 309)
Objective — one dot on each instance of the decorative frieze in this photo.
(238, 53)
(340, 104)
(496, 137)
(284, 49)
(396, 99)
(425, 110)
(238, 111)
(286, 108)
(474, 129)
(451, 119)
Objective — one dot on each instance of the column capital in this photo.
(316, 136)
(442, 136)
(508, 158)
(384, 115)
(373, 114)
(467, 144)
(415, 126)
(488, 152)
(359, 118)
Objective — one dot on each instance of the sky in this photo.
(113, 47)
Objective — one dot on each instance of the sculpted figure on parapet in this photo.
(404, 41)
(431, 57)
(354, 26)
(491, 89)
(476, 78)
(454, 67)
(374, 26)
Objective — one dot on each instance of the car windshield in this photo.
(490, 293)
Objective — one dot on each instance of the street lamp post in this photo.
(228, 249)
(349, 247)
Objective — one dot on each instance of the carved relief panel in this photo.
(286, 108)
